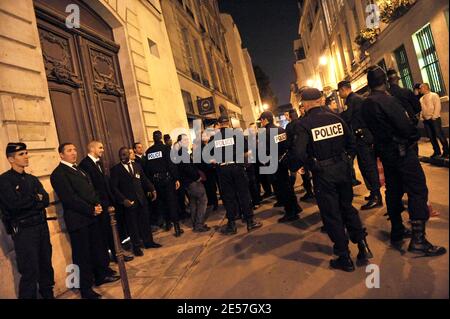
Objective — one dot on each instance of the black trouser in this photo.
(167, 199)
(181, 196)
(334, 195)
(235, 193)
(211, 187)
(286, 192)
(138, 223)
(105, 223)
(253, 185)
(34, 260)
(367, 163)
(307, 181)
(404, 174)
(266, 182)
(88, 252)
(435, 133)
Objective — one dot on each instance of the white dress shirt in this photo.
(431, 106)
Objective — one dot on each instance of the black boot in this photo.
(137, 251)
(364, 253)
(252, 224)
(308, 196)
(167, 226)
(344, 263)
(230, 229)
(375, 201)
(399, 234)
(178, 230)
(419, 243)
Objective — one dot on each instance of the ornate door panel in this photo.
(84, 80)
(65, 84)
(107, 95)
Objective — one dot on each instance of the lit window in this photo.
(403, 67)
(428, 59)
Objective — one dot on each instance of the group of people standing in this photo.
(318, 144)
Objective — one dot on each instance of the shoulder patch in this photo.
(326, 132)
(280, 138)
(154, 155)
(224, 142)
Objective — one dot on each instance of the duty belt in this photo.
(29, 221)
(331, 161)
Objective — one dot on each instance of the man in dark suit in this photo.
(139, 152)
(93, 166)
(82, 207)
(130, 186)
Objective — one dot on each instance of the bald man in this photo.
(93, 166)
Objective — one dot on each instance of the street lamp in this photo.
(323, 60)
(310, 82)
(265, 106)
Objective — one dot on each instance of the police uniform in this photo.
(364, 147)
(163, 173)
(324, 145)
(306, 175)
(284, 187)
(395, 140)
(233, 179)
(24, 216)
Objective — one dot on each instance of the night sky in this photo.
(268, 29)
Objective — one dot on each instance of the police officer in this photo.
(290, 134)
(163, 173)
(23, 201)
(232, 177)
(276, 134)
(406, 97)
(364, 144)
(324, 144)
(395, 139)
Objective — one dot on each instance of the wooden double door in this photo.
(84, 80)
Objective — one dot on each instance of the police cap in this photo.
(267, 115)
(311, 94)
(15, 147)
(376, 76)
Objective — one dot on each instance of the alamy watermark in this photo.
(228, 146)
(373, 279)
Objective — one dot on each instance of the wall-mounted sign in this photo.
(206, 106)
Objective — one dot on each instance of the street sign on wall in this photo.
(206, 106)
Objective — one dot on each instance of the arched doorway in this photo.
(84, 80)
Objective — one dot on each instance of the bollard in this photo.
(119, 255)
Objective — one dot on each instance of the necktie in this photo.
(99, 165)
(130, 169)
(75, 166)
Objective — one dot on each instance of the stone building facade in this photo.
(113, 78)
(326, 51)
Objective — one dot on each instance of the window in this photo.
(201, 63)
(403, 67)
(326, 12)
(212, 70)
(187, 50)
(428, 59)
(187, 100)
(153, 48)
